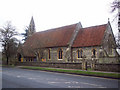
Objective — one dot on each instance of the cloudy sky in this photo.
(55, 13)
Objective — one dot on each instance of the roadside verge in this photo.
(78, 72)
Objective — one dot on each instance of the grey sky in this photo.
(55, 13)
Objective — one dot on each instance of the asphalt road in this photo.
(23, 78)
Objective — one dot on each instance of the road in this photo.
(23, 78)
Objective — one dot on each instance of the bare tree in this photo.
(116, 6)
(8, 40)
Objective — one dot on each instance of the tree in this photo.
(13, 47)
(8, 40)
(25, 35)
(115, 6)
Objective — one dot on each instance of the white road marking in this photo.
(31, 78)
(74, 87)
(18, 76)
(100, 86)
(69, 86)
(54, 82)
(91, 84)
(76, 83)
(67, 82)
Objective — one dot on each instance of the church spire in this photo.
(31, 28)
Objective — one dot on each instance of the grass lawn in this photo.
(112, 75)
(8, 65)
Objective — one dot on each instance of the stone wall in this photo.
(107, 67)
(84, 65)
(54, 54)
(108, 43)
(87, 51)
(114, 60)
(51, 64)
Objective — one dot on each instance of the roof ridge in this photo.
(57, 28)
(94, 26)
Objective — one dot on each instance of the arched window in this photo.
(49, 56)
(93, 52)
(60, 54)
(80, 53)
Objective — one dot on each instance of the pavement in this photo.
(23, 78)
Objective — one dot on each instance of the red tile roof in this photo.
(57, 37)
(53, 37)
(90, 36)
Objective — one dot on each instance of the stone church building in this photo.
(71, 43)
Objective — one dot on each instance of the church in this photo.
(71, 43)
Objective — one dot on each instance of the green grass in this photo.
(112, 75)
(8, 65)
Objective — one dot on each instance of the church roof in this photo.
(60, 37)
(57, 37)
(53, 37)
(90, 36)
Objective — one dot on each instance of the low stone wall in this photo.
(107, 67)
(109, 60)
(111, 67)
(50, 64)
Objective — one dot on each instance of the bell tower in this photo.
(31, 28)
